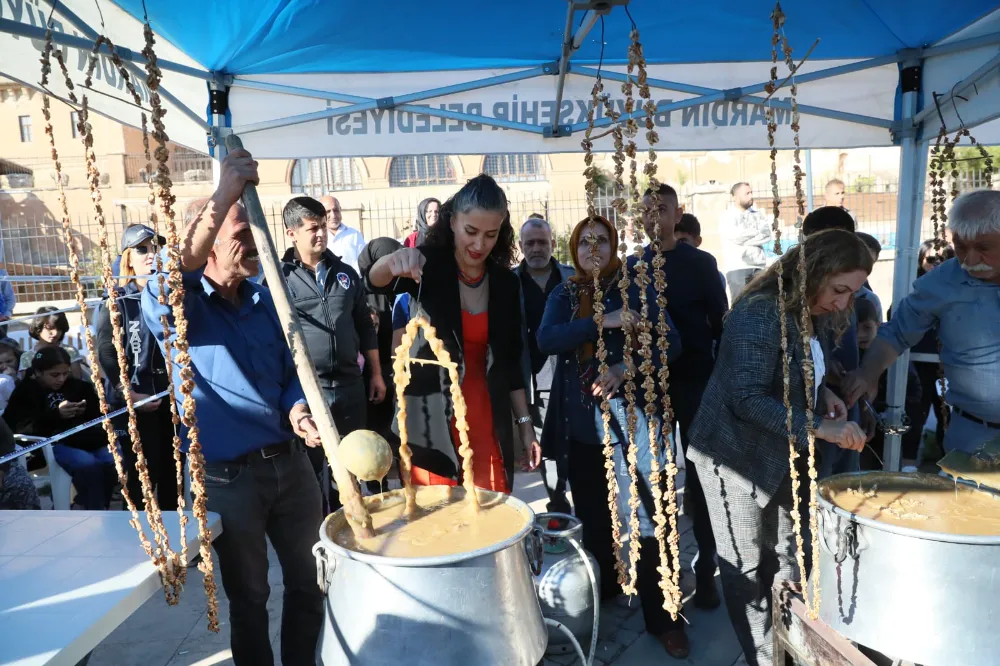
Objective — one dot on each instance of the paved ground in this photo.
(158, 635)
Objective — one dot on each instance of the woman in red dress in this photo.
(460, 280)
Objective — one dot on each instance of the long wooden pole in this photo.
(350, 494)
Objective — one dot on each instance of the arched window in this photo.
(410, 170)
(515, 167)
(320, 176)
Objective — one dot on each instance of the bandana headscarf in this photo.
(584, 280)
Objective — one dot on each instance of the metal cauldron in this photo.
(924, 597)
(564, 585)
(471, 608)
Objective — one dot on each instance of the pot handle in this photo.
(848, 541)
(324, 567)
(534, 549)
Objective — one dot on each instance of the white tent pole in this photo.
(909, 213)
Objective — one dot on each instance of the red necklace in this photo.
(471, 281)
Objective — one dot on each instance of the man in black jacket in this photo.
(331, 302)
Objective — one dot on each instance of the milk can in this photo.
(564, 586)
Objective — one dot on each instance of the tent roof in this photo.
(335, 36)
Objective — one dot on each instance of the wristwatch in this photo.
(523, 420)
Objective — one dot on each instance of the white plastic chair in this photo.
(58, 480)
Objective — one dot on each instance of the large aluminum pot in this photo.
(471, 608)
(923, 597)
(565, 590)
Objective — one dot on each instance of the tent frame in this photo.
(908, 129)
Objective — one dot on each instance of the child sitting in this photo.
(868, 323)
(50, 330)
(50, 401)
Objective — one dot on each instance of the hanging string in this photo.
(591, 173)
(180, 344)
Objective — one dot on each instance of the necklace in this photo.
(471, 282)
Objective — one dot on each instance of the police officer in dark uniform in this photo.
(332, 304)
(146, 370)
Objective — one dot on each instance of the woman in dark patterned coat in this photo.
(739, 439)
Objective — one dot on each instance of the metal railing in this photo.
(185, 167)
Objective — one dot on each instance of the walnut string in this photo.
(626, 581)
(806, 332)
(171, 561)
(669, 569)
(401, 366)
(183, 359)
(175, 417)
(777, 18)
(74, 262)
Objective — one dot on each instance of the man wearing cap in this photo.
(251, 412)
(333, 308)
(145, 369)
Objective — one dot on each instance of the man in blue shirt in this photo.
(250, 407)
(961, 299)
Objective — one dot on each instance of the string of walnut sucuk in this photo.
(170, 560)
(806, 332)
(74, 262)
(627, 581)
(777, 18)
(175, 417)
(401, 368)
(669, 570)
(183, 359)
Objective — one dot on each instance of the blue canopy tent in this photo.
(307, 78)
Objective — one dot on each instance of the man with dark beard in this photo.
(539, 274)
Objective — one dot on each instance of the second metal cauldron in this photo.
(925, 597)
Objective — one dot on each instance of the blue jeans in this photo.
(93, 474)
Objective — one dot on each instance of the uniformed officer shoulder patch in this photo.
(344, 280)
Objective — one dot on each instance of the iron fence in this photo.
(32, 246)
(185, 167)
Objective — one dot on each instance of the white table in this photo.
(68, 578)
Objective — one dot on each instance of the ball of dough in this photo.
(366, 455)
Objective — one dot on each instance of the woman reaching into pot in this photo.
(739, 439)
(460, 280)
(574, 424)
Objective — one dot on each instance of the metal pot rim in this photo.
(983, 540)
(441, 560)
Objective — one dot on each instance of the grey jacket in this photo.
(529, 385)
(741, 424)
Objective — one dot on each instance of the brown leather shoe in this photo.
(675, 642)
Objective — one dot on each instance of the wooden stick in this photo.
(350, 494)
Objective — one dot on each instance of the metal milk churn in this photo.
(564, 585)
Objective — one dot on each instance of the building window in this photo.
(74, 119)
(515, 167)
(321, 176)
(25, 124)
(410, 170)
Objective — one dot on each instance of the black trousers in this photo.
(156, 433)
(277, 499)
(590, 499)
(349, 406)
(553, 470)
(928, 373)
(685, 398)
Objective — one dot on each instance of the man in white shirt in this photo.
(834, 195)
(745, 233)
(342, 240)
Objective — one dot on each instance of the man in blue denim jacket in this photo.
(961, 299)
